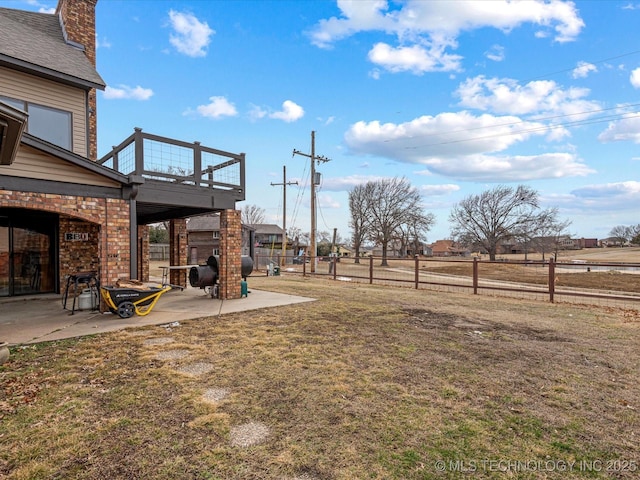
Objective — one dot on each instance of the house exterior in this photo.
(448, 248)
(268, 236)
(203, 238)
(63, 210)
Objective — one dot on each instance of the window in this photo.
(50, 124)
(216, 234)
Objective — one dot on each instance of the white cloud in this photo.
(218, 107)
(290, 112)
(127, 93)
(627, 129)
(340, 184)
(438, 190)
(102, 43)
(605, 190)
(614, 198)
(446, 134)
(190, 36)
(507, 96)
(635, 78)
(256, 113)
(463, 146)
(327, 201)
(492, 168)
(583, 69)
(495, 53)
(426, 29)
(415, 59)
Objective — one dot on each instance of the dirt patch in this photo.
(430, 319)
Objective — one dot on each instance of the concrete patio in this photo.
(41, 318)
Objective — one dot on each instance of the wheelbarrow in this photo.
(126, 301)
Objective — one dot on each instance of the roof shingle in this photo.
(34, 41)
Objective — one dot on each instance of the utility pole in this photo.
(314, 158)
(284, 211)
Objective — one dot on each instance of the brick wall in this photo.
(106, 219)
(230, 267)
(79, 20)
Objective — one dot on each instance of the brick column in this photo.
(143, 253)
(230, 266)
(178, 250)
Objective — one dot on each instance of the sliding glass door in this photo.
(27, 252)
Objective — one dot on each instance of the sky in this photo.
(456, 96)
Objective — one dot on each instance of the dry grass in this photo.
(366, 382)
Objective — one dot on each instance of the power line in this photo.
(540, 119)
(314, 158)
(523, 131)
(635, 52)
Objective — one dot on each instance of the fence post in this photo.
(475, 275)
(552, 278)
(335, 266)
(417, 270)
(371, 269)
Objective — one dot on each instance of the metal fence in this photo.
(614, 284)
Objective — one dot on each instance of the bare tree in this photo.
(359, 199)
(549, 234)
(252, 214)
(493, 216)
(622, 234)
(390, 203)
(413, 230)
(635, 238)
(542, 229)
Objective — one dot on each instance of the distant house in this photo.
(343, 251)
(203, 238)
(588, 242)
(611, 242)
(268, 235)
(448, 248)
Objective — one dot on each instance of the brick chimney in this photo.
(78, 20)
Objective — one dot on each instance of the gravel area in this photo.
(199, 368)
(159, 341)
(215, 394)
(249, 434)
(172, 354)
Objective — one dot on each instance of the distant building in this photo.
(203, 238)
(448, 248)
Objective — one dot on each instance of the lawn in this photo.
(366, 382)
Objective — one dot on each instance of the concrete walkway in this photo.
(37, 319)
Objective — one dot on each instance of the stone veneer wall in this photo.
(230, 267)
(178, 250)
(107, 219)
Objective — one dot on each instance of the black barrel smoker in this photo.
(206, 276)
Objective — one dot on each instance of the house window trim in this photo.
(25, 108)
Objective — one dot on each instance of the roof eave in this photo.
(40, 71)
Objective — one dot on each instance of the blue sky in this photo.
(457, 96)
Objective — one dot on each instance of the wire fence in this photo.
(608, 284)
